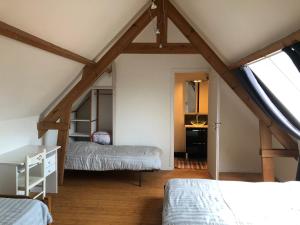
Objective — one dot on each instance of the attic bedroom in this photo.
(149, 112)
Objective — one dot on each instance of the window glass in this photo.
(281, 76)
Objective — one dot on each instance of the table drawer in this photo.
(50, 169)
(51, 160)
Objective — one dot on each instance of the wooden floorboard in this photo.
(114, 198)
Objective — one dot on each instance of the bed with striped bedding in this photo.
(95, 157)
(23, 212)
(200, 201)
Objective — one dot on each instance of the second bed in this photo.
(95, 157)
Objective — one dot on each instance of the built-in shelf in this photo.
(84, 118)
(79, 135)
(80, 120)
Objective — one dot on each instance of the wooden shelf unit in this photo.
(84, 118)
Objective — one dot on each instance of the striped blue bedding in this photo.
(210, 202)
(23, 212)
(95, 157)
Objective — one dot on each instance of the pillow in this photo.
(102, 137)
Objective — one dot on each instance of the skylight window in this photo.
(282, 78)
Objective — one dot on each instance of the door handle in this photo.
(217, 125)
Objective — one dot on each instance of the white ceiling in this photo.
(236, 28)
(31, 78)
(82, 26)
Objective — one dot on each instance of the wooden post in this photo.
(266, 143)
(162, 23)
(62, 140)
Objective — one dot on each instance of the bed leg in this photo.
(48, 201)
(140, 179)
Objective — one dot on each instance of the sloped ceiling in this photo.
(236, 28)
(31, 78)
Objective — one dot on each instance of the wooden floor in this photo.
(114, 198)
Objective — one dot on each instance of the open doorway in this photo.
(191, 120)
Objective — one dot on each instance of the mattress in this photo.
(23, 212)
(95, 157)
(200, 201)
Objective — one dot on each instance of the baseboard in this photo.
(240, 176)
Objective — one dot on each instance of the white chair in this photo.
(31, 179)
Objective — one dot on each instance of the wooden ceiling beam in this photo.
(223, 70)
(266, 143)
(24, 37)
(275, 46)
(53, 126)
(162, 24)
(124, 41)
(90, 74)
(280, 153)
(153, 48)
(195, 39)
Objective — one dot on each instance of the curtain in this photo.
(264, 98)
(267, 101)
(293, 52)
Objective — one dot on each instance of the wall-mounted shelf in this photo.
(81, 120)
(79, 135)
(84, 118)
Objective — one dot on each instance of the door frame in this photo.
(172, 87)
(216, 124)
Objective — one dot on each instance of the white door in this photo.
(213, 125)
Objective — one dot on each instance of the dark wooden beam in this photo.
(62, 141)
(24, 37)
(170, 48)
(223, 70)
(162, 23)
(195, 39)
(266, 143)
(92, 73)
(53, 126)
(280, 153)
(276, 46)
(123, 42)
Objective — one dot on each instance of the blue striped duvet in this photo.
(209, 202)
(23, 212)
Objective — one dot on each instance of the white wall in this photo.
(285, 168)
(239, 135)
(144, 89)
(104, 81)
(50, 138)
(17, 133)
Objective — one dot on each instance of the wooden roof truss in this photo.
(59, 117)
